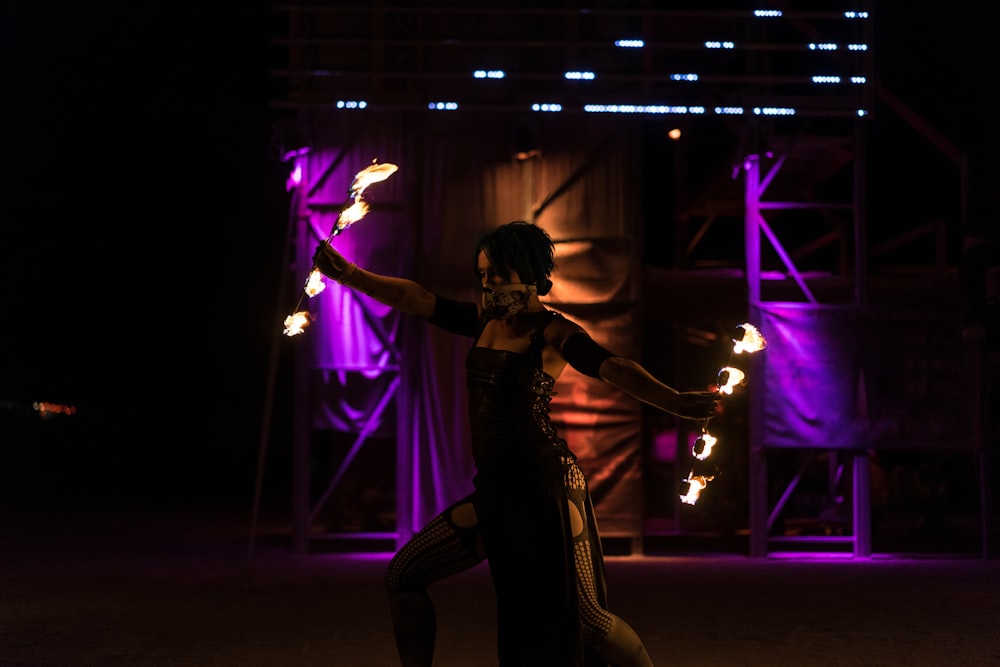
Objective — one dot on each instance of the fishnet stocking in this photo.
(595, 621)
(609, 635)
(438, 551)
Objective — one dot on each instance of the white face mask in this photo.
(502, 302)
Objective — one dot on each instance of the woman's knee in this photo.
(464, 516)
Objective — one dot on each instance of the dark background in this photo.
(143, 226)
(143, 221)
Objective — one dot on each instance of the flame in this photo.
(375, 173)
(703, 446)
(315, 283)
(297, 322)
(729, 378)
(352, 214)
(750, 340)
(696, 484)
(358, 208)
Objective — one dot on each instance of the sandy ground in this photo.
(94, 589)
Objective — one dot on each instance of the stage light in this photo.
(774, 111)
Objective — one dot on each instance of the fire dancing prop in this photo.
(355, 209)
(748, 340)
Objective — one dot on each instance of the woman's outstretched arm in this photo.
(588, 357)
(401, 293)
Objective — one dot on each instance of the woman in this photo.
(530, 514)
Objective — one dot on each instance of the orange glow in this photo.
(48, 410)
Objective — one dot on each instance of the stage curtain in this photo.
(583, 194)
(891, 376)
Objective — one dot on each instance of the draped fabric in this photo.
(892, 376)
(354, 341)
(458, 178)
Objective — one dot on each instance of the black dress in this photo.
(525, 476)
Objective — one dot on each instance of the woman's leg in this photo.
(609, 635)
(449, 544)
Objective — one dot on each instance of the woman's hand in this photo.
(698, 404)
(331, 263)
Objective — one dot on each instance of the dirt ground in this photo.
(91, 588)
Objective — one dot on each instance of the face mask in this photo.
(502, 302)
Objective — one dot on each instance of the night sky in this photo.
(143, 218)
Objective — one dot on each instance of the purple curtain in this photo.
(890, 376)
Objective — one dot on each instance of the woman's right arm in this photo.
(401, 293)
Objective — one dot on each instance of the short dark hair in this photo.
(520, 246)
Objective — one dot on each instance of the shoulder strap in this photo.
(538, 335)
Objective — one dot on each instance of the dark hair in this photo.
(522, 247)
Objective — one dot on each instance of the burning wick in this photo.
(297, 322)
(355, 209)
(749, 340)
(696, 483)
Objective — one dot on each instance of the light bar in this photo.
(643, 109)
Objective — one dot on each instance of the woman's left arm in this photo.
(638, 383)
(585, 355)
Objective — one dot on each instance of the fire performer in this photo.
(530, 514)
